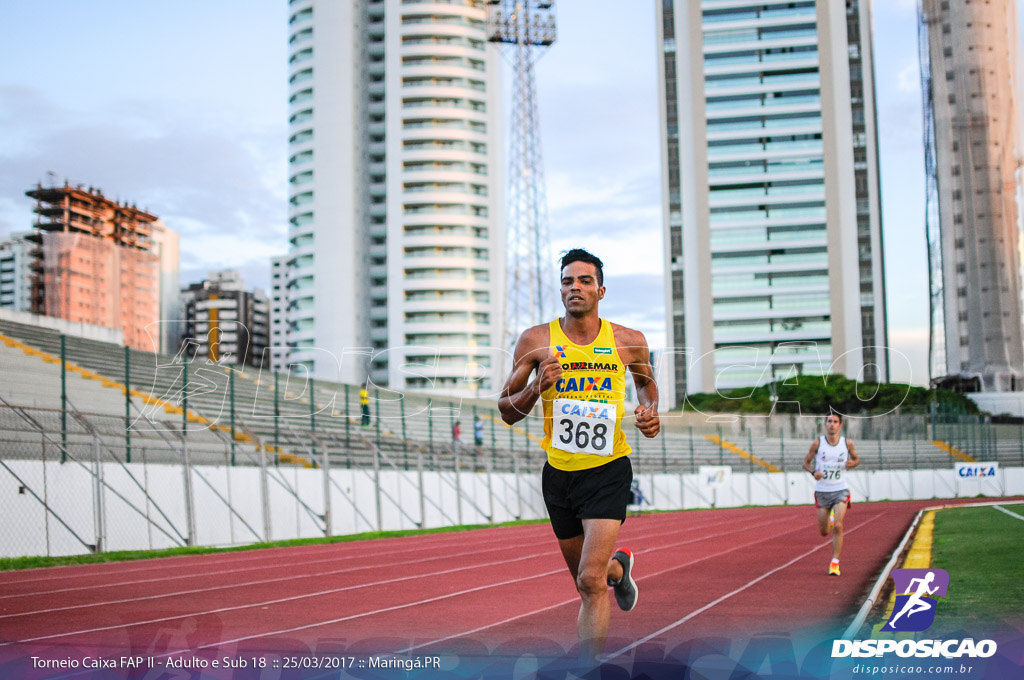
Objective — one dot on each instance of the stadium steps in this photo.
(158, 378)
(114, 385)
(98, 361)
(742, 453)
(156, 384)
(954, 452)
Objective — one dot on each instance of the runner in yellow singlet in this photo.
(580, 362)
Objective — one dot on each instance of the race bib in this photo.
(833, 471)
(583, 426)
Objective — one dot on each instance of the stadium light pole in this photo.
(527, 27)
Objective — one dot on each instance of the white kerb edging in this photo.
(865, 608)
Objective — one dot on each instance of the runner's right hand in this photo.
(548, 372)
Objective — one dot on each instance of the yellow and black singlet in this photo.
(583, 409)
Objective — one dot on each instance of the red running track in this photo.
(737, 573)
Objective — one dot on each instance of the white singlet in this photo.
(830, 461)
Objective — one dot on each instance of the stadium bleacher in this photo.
(404, 427)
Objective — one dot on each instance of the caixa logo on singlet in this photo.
(916, 590)
(583, 384)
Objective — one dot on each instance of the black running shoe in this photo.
(625, 588)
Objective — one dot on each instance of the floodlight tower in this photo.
(528, 26)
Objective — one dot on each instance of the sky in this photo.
(181, 108)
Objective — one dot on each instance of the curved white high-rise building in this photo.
(396, 235)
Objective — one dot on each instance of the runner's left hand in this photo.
(647, 420)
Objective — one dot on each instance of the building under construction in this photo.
(969, 57)
(93, 262)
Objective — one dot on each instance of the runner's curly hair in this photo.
(581, 255)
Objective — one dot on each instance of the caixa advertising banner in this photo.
(976, 471)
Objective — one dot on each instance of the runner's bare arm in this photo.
(809, 460)
(637, 357)
(854, 460)
(520, 394)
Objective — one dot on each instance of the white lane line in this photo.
(559, 570)
(646, 551)
(396, 607)
(289, 577)
(280, 600)
(641, 578)
(207, 574)
(241, 557)
(276, 601)
(1011, 514)
(289, 563)
(518, 580)
(63, 573)
(725, 597)
(292, 554)
(279, 579)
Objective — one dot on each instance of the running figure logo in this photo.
(916, 590)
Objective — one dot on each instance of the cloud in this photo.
(599, 111)
(908, 78)
(612, 217)
(221, 187)
(637, 301)
(908, 355)
(897, 79)
(595, 191)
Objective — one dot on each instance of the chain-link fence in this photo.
(77, 489)
(72, 482)
(107, 448)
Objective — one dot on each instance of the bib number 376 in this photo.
(833, 472)
(583, 426)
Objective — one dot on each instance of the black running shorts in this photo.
(598, 493)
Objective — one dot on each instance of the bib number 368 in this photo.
(583, 426)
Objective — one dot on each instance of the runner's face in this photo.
(580, 292)
(832, 424)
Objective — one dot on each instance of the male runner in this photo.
(581, 363)
(829, 458)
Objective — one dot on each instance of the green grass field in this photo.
(983, 551)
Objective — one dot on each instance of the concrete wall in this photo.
(998, 403)
(81, 330)
(69, 489)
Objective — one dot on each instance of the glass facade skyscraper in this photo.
(770, 185)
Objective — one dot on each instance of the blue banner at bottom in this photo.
(780, 656)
